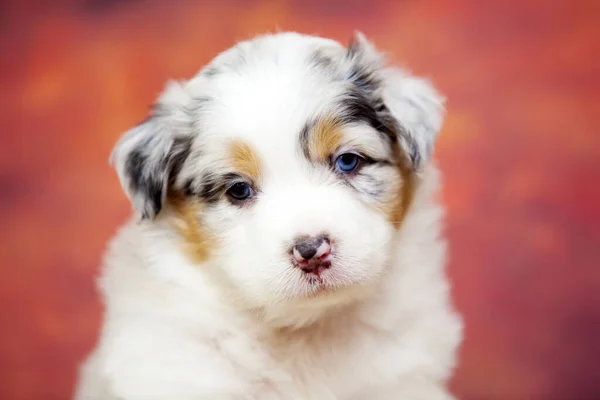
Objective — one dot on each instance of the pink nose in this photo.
(312, 253)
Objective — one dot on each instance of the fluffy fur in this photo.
(203, 300)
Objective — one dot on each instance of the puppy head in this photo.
(286, 165)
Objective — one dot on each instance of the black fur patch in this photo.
(150, 168)
(357, 107)
(364, 79)
(135, 167)
(188, 188)
(213, 186)
(147, 183)
(209, 192)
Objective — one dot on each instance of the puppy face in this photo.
(285, 166)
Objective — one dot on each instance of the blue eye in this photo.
(240, 191)
(347, 162)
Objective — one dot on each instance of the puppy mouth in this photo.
(316, 269)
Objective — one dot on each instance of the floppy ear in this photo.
(414, 104)
(148, 156)
(419, 110)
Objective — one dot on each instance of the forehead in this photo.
(266, 91)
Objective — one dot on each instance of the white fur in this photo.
(246, 324)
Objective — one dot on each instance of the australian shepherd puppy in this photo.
(287, 237)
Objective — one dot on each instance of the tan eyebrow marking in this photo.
(244, 159)
(326, 137)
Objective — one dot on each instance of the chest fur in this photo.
(322, 362)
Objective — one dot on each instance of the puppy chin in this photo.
(312, 304)
(308, 298)
(334, 285)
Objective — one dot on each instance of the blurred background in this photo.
(520, 152)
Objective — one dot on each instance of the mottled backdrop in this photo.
(520, 150)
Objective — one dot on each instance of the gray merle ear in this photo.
(148, 156)
(412, 102)
(418, 108)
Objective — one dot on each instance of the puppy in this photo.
(287, 239)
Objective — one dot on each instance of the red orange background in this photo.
(520, 150)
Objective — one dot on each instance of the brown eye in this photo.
(240, 191)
